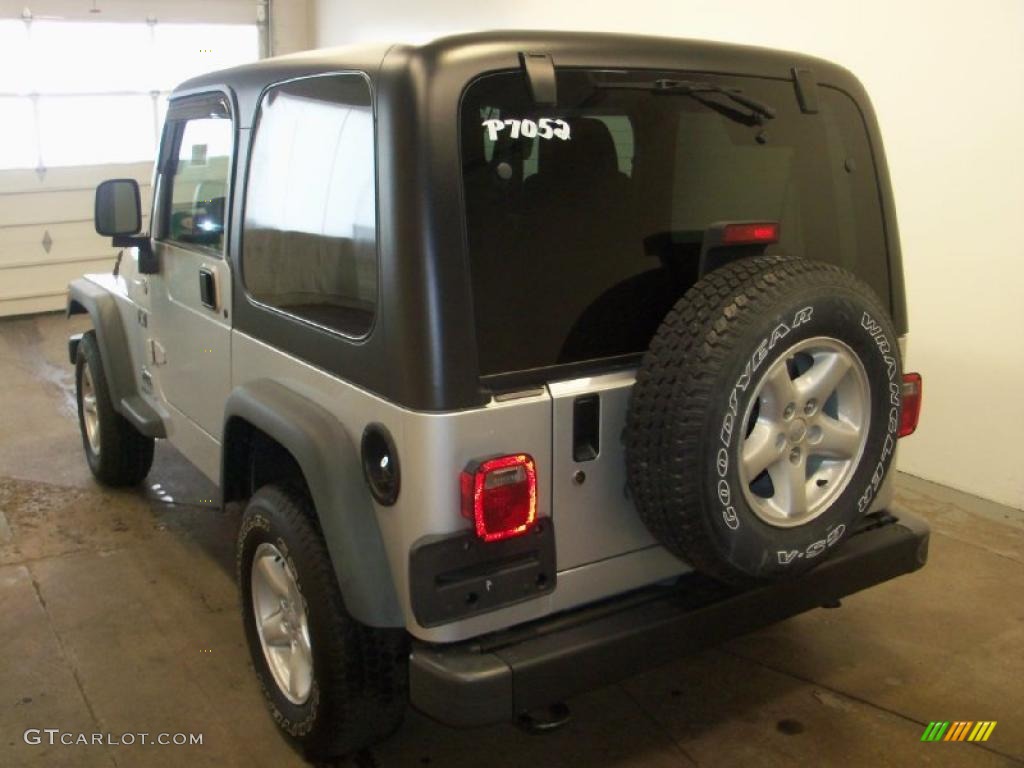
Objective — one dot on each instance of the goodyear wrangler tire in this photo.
(764, 417)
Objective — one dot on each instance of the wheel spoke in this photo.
(760, 449)
(778, 392)
(790, 482)
(304, 646)
(273, 572)
(298, 673)
(822, 378)
(839, 440)
(272, 625)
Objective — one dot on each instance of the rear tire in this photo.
(355, 690)
(118, 454)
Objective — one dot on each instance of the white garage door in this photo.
(82, 101)
(46, 232)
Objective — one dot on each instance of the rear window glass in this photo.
(587, 221)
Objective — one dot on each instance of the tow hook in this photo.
(545, 720)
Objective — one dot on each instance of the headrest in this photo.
(589, 151)
(207, 191)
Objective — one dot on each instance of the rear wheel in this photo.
(332, 684)
(118, 454)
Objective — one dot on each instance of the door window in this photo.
(197, 178)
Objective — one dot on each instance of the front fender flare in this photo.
(330, 463)
(85, 297)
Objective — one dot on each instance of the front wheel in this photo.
(118, 454)
(332, 684)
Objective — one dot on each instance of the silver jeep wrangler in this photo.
(534, 358)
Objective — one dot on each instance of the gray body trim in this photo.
(85, 297)
(493, 679)
(329, 460)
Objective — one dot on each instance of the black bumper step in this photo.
(496, 677)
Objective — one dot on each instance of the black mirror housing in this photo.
(118, 208)
(149, 262)
(118, 215)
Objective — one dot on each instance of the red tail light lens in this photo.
(764, 232)
(911, 403)
(500, 496)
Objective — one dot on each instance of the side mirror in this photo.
(118, 208)
(118, 214)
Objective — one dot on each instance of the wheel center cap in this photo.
(797, 430)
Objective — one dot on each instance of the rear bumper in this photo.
(496, 677)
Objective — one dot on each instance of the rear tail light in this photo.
(756, 233)
(500, 496)
(911, 394)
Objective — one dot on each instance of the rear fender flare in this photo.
(329, 460)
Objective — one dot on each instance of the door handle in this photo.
(586, 428)
(207, 288)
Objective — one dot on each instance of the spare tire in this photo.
(764, 417)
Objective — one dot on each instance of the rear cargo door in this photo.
(594, 517)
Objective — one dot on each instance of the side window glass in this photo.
(198, 181)
(310, 233)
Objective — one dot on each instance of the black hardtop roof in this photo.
(425, 300)
(479, 52)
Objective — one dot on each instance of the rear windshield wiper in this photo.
(759, 111)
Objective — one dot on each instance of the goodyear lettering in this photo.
(725, 433)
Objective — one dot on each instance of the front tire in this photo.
(332, 685)
(118, 454)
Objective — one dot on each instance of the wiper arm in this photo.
(697, 90)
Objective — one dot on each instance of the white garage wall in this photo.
(947, 79)
(291, 26)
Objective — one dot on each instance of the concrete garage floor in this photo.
(118, 613)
